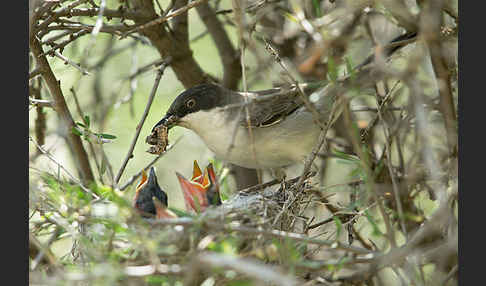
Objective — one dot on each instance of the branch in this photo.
(135, 177)
(71, 63)
(186, 69)
(227, 53)
(63, 112)
(163, 19)
(431, 25)
(142, 120)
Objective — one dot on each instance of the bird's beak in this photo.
(152, 178)
(212, 193)
(194, 194)
(196, 172)
(169, 121)
(202, 190)
(142, 181)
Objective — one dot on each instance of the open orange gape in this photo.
(202, 190)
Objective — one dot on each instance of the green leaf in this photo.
(241, 282)
(76, 131)
(317, 8)
(290, 17)
(107, 136)
(81, 124)
(376, 230)
(180, 213)
(349, 68)
(332, 70)
(87, 120)
(156, 279)
(345, 156)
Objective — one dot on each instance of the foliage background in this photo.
(121, 121)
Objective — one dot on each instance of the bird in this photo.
(265, 129)
(202, 190)
(150, 200)
(282, 130)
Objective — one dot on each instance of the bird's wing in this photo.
(268, 107)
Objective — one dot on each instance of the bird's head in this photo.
(202, 190)
(203, 97)
(146, 191)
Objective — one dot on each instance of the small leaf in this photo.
(87, 120)
(107, 136)
(76, 131)
(317, 8)
(290, 17)
(332, 70)
(349, 68)
(81, 124)
(180, 213)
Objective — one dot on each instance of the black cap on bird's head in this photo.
(146, 190)
(200, 97)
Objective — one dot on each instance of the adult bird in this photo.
(267, 129)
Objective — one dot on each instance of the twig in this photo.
(450, 274)
(146, 68)
(62, 45)
(164, 18)
(76, 180)
(90, 144)
(388, 98)
(45, 250)
(134, 177)
(308, 104)
(54, 16)
(274, 182)
(68, 61)
(34, 73)
(40, 102)
(265, 232)
(142, 120)
(252, 268)
(62, 110)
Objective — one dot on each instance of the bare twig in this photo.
(251, 268)
(135, 177)
(142, 120)
(68, 61)
(49, 155)
(164, 18)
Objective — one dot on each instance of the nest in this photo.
(247, 218)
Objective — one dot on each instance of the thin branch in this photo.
(142, 120)
(185, 221)
(396, 194)
(164, 18)
(137, 175)
(62, 45)
(90, 144)
(68, 61)
(63, 112)
(251, 268)
(40, 102)
(76, 180)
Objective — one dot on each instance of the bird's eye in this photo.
(190, 103)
